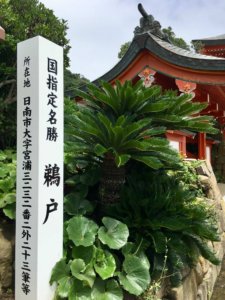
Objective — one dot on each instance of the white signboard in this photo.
(175, 145)
(208, 153)
(39, 206)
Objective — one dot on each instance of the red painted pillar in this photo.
(183, 146)
(201, 145)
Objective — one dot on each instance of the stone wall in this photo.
(218, 158)
(198, 283)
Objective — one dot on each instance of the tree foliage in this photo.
(22, 20)
(123, 49)
(197, 46)
(116, 121)
(128, 122)
(177, 41)
(73, 81)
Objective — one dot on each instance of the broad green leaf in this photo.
(134, 249)
(82, 231)
(79, 291)
(74, 205)
(104, 263)
(85, 253)
(7, 199)
(77, 266)
(83, 272)
(107, 290)
(64, 286)
(114, 233)
(135, 276)
(7, 184)
(60, 270)
(3, 156)
(3, 170)
(10, 211)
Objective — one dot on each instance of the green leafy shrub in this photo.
(100, 262)
(188, 177)
(128, 122)
(116, 142)
(168, 217)
(8, 183)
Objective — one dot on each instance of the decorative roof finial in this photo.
(149, 24)
(142, 10)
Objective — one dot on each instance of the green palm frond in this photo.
(126, 120)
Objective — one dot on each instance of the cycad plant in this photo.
(122, 122)
(167, 219)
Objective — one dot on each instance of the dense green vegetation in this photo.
(121, 173)
(36, 20)
(133, 210)
(176, 41)
(7, 183)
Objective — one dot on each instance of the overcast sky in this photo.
(97, 28)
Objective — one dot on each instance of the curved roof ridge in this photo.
(181, 51)
(166, 51)
(212, 38)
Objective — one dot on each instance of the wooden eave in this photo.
(218, 40)
(149, 50)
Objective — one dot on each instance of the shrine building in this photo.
(152, 58)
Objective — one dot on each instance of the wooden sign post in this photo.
(39, 206)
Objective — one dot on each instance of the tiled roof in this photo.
(166, 51)
(212, 41)
(183, 52)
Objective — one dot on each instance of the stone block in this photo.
(6, 257)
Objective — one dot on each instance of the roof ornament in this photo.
(149, 24)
